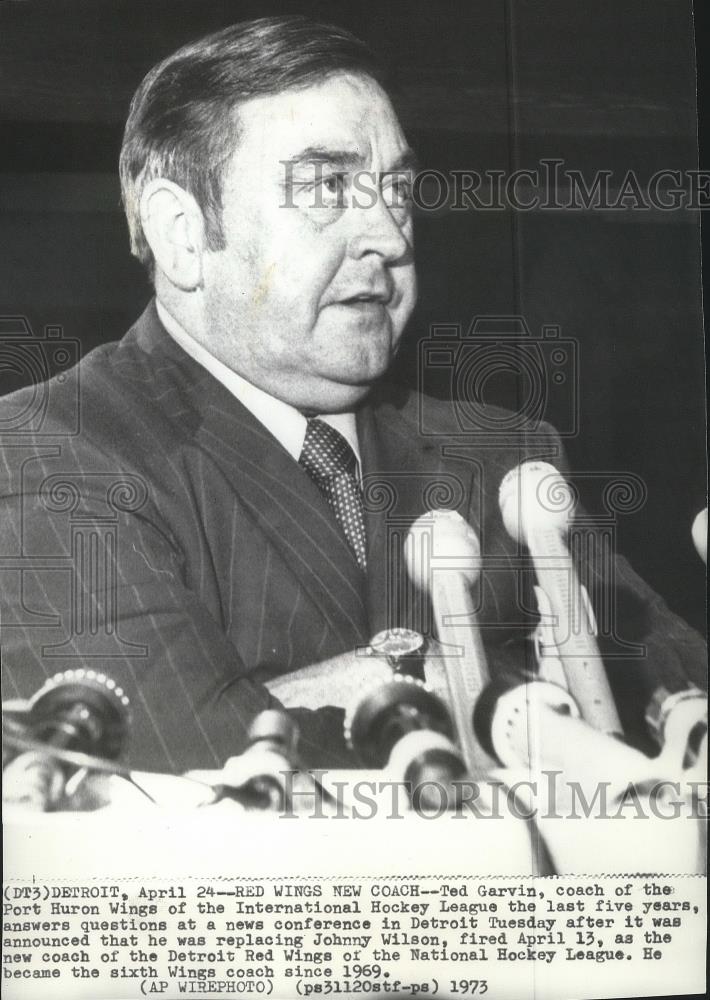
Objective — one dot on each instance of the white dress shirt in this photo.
(283, 421)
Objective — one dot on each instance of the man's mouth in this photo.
(366, 298)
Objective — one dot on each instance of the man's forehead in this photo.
(345, 118)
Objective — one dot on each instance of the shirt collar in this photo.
(283, 421)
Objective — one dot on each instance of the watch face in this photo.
(396, 642)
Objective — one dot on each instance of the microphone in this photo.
(558, 740)
(256, 778)
(679, 724)
(700, 534)
(403, 726)
(536, 732)
(443, 557)
(549, 664)
(537, 505)
(79, 712)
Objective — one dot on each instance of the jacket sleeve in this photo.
(83, 588)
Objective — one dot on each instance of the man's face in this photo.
(310, 297)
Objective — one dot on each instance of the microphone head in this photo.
(700, 534)
(256, 778)
(388, 712)
(275, 726)
(81, 710)
(441, 540)
(535, 496)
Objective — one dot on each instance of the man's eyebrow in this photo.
(346, 158)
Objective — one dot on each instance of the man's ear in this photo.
(174, 228)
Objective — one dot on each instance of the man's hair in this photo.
(183, 120)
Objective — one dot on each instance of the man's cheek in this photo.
(408, 299)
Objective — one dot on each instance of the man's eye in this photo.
(324, 190)
(329, 192)
(397, 195)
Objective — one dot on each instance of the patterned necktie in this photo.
(330, 462)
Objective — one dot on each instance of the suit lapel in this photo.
(289, 509)
(277, 493)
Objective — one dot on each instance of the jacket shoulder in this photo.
(488, 426)
(115, 389)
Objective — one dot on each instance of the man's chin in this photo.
(342, 393)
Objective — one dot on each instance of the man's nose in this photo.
(375, 230)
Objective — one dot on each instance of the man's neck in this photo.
(283, 421)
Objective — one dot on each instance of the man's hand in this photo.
(337, 682)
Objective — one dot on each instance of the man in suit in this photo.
(185, 537)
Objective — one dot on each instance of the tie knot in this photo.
(326, 454)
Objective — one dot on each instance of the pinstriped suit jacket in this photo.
(172, 543)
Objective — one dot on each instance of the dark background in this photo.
(484, 85)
